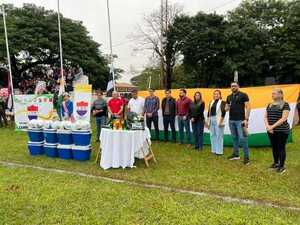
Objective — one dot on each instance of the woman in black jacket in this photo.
(197, 119)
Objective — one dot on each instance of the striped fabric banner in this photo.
(260, 97)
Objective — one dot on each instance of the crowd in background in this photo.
(49, 78)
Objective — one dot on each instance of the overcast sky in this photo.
(125, 15)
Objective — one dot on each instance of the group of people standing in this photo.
(191, 114)
(192, 119)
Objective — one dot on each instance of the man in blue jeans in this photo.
(99, 110)
(183, 111)
(239, 111)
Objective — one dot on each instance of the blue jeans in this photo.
(238, 138)
(184, 125)
(169, 121)
(198, 130)
(100, 121)
(216, 136)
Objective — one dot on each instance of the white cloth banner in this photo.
(121, 147)
(29, 107)
(82, 102)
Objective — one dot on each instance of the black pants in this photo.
(2, 117)
(278, 141)
(154, 120)
(169, 121)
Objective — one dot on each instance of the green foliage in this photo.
(142, 81)
(33, 39)
(259, 39)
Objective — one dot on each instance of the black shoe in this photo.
(274, 166)
(233, 157)
(246, 161)
(281, 170)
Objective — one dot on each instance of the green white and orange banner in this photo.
(259, 97)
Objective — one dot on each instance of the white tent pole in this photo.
(110, 43)
(8, 53)
(60, 41)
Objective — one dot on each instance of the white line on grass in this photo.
(154, 186)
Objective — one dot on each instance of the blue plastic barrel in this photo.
(65, 137)
(81, 137)
(65, 151)
(51, 150)
(81, 153)
(36, 148)
(50, 136)
(35, 135)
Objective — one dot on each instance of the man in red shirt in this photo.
(115, 105)
(182, 109)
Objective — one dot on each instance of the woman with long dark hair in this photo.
(215, 120)
(197, 119)
(276, 121)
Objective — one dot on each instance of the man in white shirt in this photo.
(136, 104)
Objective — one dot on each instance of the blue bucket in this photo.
(65, 151)
(50, 136)
(51, 150)
(65, 137)
(36, 135)
(81, 137)
(36, 148)
(81, 153)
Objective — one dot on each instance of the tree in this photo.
(264, 26)
(259, 39)
(142, 81)
(200, 40)
(152, 35)
(33, 39)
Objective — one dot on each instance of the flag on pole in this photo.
(60, 98)
(10, 83)
(10, 95)
(111, 83)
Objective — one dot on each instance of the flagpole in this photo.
(8, 53)
(60, 42)
(110, 43)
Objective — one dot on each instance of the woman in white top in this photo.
(215, 117)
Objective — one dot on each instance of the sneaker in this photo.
(233, 157)
(246, 161)
(274, 166)
(281, 170)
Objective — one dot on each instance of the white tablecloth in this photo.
(120, 147)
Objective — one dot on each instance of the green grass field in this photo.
(37, 197)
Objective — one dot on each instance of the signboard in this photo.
(29, 107)
(82, 102)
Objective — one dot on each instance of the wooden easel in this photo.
(97, 161)
(150, 156)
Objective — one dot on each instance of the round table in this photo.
(119, 148)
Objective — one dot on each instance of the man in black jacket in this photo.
(169, 113)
